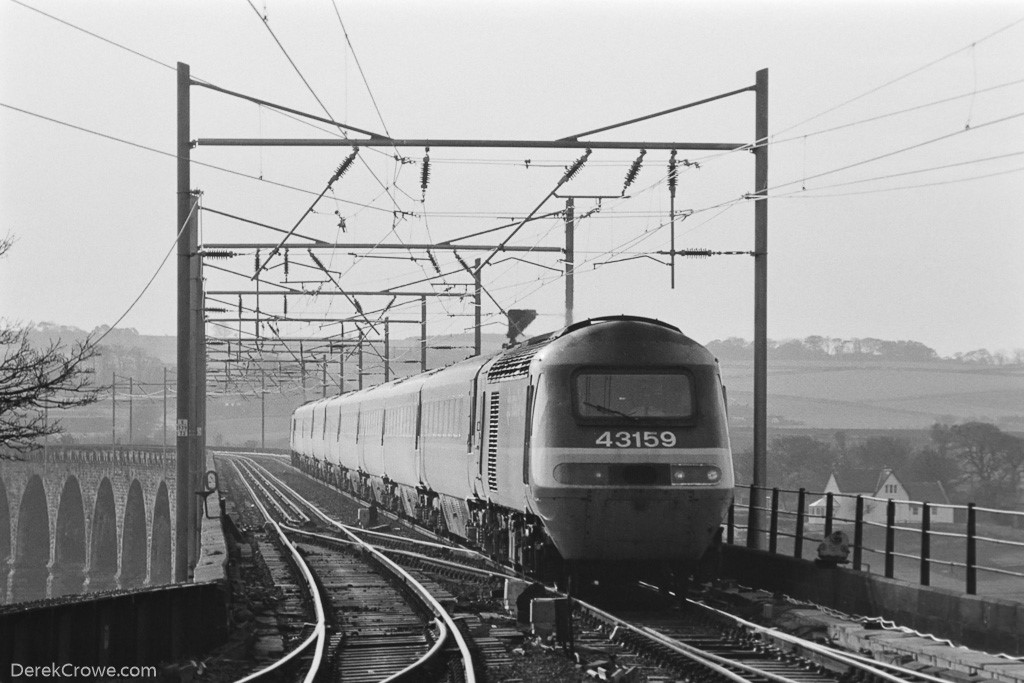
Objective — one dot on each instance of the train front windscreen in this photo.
(634, 396)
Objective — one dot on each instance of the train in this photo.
(602, 445)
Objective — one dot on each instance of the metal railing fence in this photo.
(935, 544)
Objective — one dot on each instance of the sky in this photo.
(896, 159)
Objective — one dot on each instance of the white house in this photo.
(880, 484)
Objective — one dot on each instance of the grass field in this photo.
(886, 395)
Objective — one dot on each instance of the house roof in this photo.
(927, 491)
(870, 482)
(860, 481)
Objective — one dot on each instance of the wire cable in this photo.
(96, 35)
(359, 66)
(914, 172)
(937, 183)
(174, 244)
(175, 156)
(898, 151)
(901, 77)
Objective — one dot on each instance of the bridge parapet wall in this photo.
(983, 623)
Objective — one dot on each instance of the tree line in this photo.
(867, 348)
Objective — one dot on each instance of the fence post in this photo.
(730, 524)
(798, 540)
(972, 557)
(890, 536)
(858, 533)
(773, 528)
(926, 543)
(750, 514)
(828, 514)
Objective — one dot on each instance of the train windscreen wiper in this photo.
(609, 411)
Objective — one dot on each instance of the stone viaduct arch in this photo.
(81, 518)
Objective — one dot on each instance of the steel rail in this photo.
(675, 646)
(719, 661)
(319, 634)
(864, 664)
(454, 565)
(442, 628)
(275, 489)
(408, 579)
(267, 494)
(406, 539)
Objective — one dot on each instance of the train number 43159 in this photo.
(636, 440)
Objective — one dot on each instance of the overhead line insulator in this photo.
(571, 171)
(343, 167)
(425, 173)
(218, 254)
(634, 170)
(673, 174)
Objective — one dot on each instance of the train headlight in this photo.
(581, 473)
(695, 475)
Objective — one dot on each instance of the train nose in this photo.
(652, 524)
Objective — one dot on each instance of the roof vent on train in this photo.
(515, 363)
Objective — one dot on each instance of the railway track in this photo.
(691, 641)
(373, 620)
(697, 639)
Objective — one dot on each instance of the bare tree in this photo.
(36, 380)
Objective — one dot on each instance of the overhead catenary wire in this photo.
(338, 173)
(156, 272)
(172, 155)
(810, 193)
(320, 102)
(901, 150)
(916, 171)
(901, 77)
(96, 35)
(773, 141)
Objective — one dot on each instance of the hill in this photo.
(809, 388)
(879, 394)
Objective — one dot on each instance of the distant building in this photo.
(880, 484)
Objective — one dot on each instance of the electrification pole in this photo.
(341, 365)
(183, 429)
(113, 409)
(477, 306)
(131, 411)
(359, 359)
(756, 520)
(423, 334)
(387, 350)
(570, 239)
